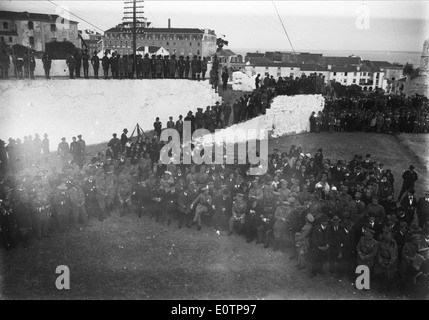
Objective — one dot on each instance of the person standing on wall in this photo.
(95, 61)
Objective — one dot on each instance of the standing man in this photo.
(77, 201)
(47, 61)
(409, 205)
(124, 138)
(76, 153)
(105, 62)
(258, 81)
(320, 242)
(423, 210)
(71, 65)
(410, 177)
(82, 147)
(225, 77)
(179, 127)
(78, 60)
(95, 61)
(63, 150)
(85, 63)
(32, 65)
(45, 145)
(115, 143)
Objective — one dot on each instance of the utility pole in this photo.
(133, 19)
(134, 38)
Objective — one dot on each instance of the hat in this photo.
(309, 217)
(334, 188)
(62, 186)
(411, 167)
(79, 136)
(192, 182)
(217, 102)
(63, 138)
(291, 200)
(168, 172)
(335, 219)
(125, 130)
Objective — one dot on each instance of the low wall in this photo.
(95, 108)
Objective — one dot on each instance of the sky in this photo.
(311, 25)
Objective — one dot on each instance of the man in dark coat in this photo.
(409, 205)
(47, 61)
(423, 210)
(124, 138)
(75, 150)
(410, 177)
(95, 61)
(71, 65)
(78, 61)
(320, 246)
(105, 62)
(85, 63)
(225, 77)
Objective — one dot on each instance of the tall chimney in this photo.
(169, 23)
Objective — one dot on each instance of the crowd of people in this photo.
(380, 114)
(321, 211)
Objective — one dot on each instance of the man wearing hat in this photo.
(199, 119)
(375, 210)
(320, 246)
(423, 210)
(409, 178)
(75, 150)
(334, 246)
(252, 217)
(125, 191)
(203, 205)
(62, 207)
(238, 213)
(409, 205)
(318, 158)
(367, 249)
(124, 138)
(77, 201)
(90, 192)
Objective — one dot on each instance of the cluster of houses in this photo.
(35, 30)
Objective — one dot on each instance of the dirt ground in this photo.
(132, 258)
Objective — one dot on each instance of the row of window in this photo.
(154, 36)
(174, 51)
(363, 74)
(2, 39)
(30, 26)
(119, 43)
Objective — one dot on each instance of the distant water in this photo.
(401, 57)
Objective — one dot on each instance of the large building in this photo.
(177, 41)
(91, 40)
(36, 29)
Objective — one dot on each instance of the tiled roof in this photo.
(158, 30)
(13, 15)
(225, 53)
(340, 61)
(313, 67)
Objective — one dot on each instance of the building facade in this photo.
(177, 41)
(34, 30)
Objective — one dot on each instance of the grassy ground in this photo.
(132, 258)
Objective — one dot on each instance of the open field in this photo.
(132, 258)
